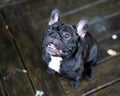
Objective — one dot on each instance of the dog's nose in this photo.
(55, 35)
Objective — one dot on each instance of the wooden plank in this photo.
(105, 27)
(108, 44)
(88, 9)
(109, 91)
(35, 9)
(29, 47)
(2, 92)
(12, 71)
(105, 8)
(101, 87)
(4, 3)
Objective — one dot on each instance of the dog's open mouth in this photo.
(51, 49)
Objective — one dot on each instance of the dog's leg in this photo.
(88, 68)
(92, 59)
(75, 83)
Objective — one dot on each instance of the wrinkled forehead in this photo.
(60, 26)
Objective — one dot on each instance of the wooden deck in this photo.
(22, 24)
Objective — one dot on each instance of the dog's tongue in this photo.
(52, 46)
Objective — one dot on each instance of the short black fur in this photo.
(74, 44)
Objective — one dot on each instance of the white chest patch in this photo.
(55, 63)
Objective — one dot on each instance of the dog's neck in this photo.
(55, 63)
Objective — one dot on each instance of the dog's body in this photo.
(69, 49)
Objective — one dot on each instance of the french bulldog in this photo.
(69, 49)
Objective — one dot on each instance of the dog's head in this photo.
(61, 39)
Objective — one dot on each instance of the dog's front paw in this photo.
(89, 78)
(50, 71)
(75, 84)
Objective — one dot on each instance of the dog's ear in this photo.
(55, 16)
(82, 27)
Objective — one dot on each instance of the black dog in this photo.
(69, 49)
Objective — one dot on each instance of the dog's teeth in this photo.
(60, 51)
(52, 46)
(48, 45)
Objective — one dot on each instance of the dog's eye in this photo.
(67, 35)
(50, 28)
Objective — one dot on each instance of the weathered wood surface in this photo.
(2, 91)
(14, 80)
(28, 22)
(28, 47)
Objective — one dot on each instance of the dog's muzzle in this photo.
(51, 49)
